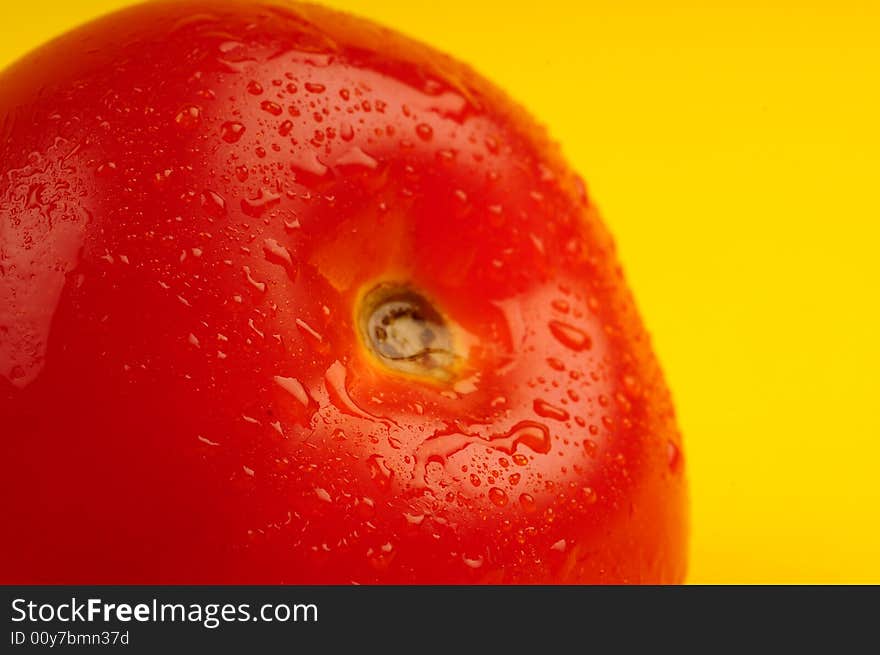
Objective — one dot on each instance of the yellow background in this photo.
(733, 147)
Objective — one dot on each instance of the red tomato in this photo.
(287, 297)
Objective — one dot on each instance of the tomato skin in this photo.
(193, 200)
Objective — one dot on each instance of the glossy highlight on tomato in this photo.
(286, 297)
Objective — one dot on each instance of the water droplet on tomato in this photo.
(335, 380)
(590, 447)
(545, 409)
(106, 168)
(213, 203)
(231, 131)
(472, 562)
(256, 207)
(555, 364)
(309, 330)
(498, 496)
(380, 474)
(530, 434)
(256, 284)
(271, 108)
(188, 117)
(294, 387)
(560, 306)
(588, 495)
(356, 157)
(527, 502)
(570, 336)
(414, 519)
(278, 254)
(307, 162)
